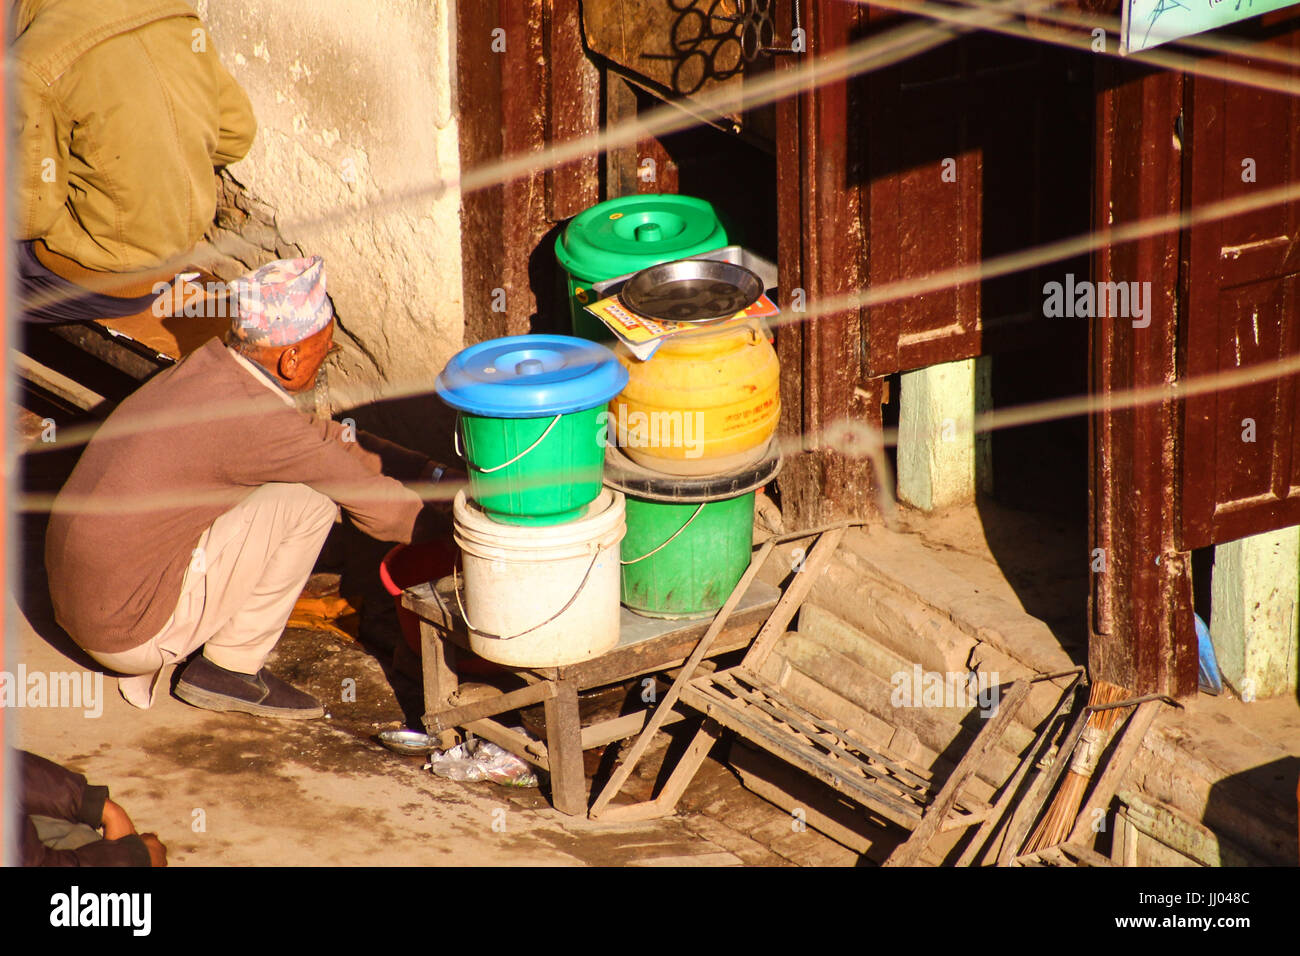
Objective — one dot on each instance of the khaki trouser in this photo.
(240, 588)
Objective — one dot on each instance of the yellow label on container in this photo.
(637, 329)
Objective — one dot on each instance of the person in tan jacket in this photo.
(121, 112)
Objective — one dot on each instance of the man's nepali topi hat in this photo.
(281, 303)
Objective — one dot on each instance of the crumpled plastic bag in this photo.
(476, 760)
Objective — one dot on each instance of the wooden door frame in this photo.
(1141, 631)
(822, 251)
(1140, 616)
(507, 104)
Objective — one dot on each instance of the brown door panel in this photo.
(920, 223)
(1008, 122)
(1241, 289)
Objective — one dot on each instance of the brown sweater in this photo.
(190, 444)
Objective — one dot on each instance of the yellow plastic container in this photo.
(707, 402)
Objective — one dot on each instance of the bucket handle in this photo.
(455, 583)
(670, 540)
(505, 464)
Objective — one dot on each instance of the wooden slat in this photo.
(910, 851)
(676, 785)
(902, 813)
(564, 736)
(1085, 856)
(440, 680)
(59, 384)
(619, 728)
(894, 764)
(1032, 755)
(756, 699)
(523, 747)
(624, 770)
(1066, 854)
(120, 352)
(794, 595)
(489, 707)
(1053, 856)
(965, 820)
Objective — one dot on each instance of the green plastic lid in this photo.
(632, 233)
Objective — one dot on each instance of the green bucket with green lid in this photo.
(626, 235)
(689, 538)
(531, 423)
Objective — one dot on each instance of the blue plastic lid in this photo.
(530, 376)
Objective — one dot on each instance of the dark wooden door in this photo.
(976, 149)
(1241, 282)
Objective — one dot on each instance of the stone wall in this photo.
(355, 105)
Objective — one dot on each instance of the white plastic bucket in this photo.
(541, 596)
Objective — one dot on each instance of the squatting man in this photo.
(196, 513)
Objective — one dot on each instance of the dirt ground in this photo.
(228, 789)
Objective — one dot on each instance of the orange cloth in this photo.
(325, 612)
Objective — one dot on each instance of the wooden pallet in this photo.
(741, 701)
(745, 703)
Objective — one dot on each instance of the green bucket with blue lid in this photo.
(626, 235)
(531, 423)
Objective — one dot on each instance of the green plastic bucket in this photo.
(532, 423)
(626, 235)
(689, 538)
(534, 471)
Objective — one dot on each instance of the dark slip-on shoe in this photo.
(204, 684)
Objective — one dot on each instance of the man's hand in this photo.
(446, 481)
(157, 852)
(116, 823)
(442, 474)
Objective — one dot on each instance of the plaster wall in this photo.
(355, 104)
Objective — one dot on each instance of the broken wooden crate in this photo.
(739, 699)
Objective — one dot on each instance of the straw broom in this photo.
(1054, 829)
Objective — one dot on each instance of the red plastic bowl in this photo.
(410, 564)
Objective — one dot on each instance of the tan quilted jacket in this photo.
(122, 111)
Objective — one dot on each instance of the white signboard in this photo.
(1148, 23)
